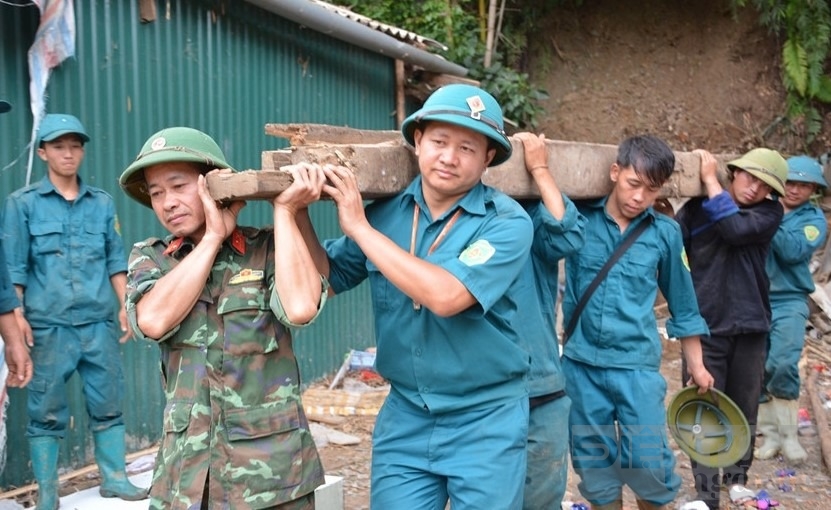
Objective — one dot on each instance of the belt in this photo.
(544, 399)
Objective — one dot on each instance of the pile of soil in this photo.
(693, 73)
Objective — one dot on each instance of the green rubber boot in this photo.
(767, 422)
(109, 454)
(44, 453)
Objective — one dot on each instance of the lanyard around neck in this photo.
(436, 242)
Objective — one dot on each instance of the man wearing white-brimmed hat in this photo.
(727, 236)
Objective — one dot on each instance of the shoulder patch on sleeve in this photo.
(477, 253)
(684, 259)
(811, 232)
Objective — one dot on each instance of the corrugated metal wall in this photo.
(225, 67)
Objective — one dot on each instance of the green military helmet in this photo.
(710, 428)
(767, 165)
(170, 145)
(466, 106)
(806, 169)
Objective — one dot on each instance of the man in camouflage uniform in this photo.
(235, 434)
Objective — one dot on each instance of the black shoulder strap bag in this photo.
(621, 248)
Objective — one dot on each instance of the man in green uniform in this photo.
(235, 434)
(66, 260)
(16, 355)
(445, 260)
(801, 232)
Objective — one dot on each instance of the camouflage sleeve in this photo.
(144, 270)
(277, 306)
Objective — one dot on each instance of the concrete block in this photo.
(329, 496)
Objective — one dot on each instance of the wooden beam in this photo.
(311, 134)
(384, 169)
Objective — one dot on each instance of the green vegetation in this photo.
(462, 25)
(806, 27)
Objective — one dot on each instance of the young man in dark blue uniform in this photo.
(443, 259)
(802, 231)
(67, 263)
(727, 235)
(612, 359)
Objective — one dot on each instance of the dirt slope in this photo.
(689, 72)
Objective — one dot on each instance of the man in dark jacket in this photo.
(727, 235)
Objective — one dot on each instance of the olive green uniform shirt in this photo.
(233, 423)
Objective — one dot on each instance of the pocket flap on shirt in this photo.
(41, 228)
(177, 416)
(261, 421)
(94, 227)
(248, 298)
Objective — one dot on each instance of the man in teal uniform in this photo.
(801, 232)
(558, 232)
(612, 359)
(443, 259)
(66, 260)
(235, 434)
(15, 354)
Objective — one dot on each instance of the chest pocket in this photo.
(249, 325)
(639, 267)
(95, 235)
(385, 296)
(590, 262)
(47, 237)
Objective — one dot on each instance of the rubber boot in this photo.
(646, 505)
(767, 422)
(788, 414)
(44, 453)
(109, 455)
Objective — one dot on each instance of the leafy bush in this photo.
(806, 25)
(454, 23)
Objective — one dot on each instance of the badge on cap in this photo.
(476, 105)
(158, 143)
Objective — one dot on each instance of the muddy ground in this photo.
(809, 489)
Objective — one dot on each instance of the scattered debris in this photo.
(739, 494)
(323, 435)
(695, 505)
(327, 418)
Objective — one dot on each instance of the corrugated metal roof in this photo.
(398, 33)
